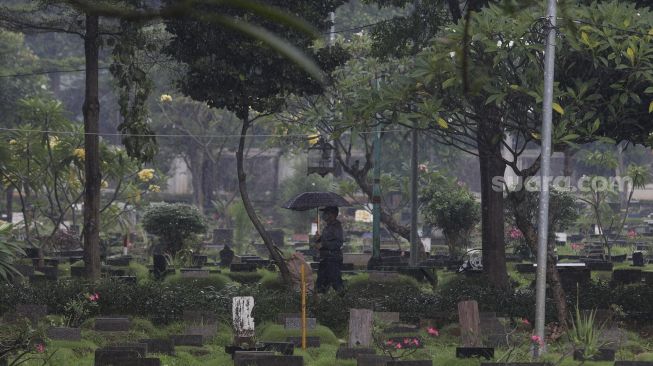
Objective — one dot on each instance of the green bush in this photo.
(246, 278)
(277, 333)
(215, 281)
(173, 223)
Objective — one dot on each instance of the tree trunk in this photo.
(492, 215)
(197, 179)
(10, 203)
(524, 223)
(275, 254)
(91, 146)
(207, 180)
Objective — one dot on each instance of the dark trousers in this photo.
(329, 274)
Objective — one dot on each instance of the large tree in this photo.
(228, 69)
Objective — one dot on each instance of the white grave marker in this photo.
(243, 322)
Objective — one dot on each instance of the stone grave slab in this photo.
(372, 360)
(493, 332)
(140, 348)
(311, 342)
(33, 312)
(202, 273)
(516, 364)
(140, 362)
(112, 357)
(344, 353)
(162, 346)
(285, 348)
(360, 328)
(199, 317)
(387, 316)
(401, 328)
(410, 363)
(242, 267)
(113, 324)
(64, 333)
(119, 261)
(76, 271)
(475, 352)
(633, 363)
(604, 354)
(281, 317)
(240, 357)
(191, 340)
(296, 323)
(272, 361)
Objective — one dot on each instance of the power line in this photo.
(54, 132)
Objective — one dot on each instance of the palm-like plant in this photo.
(9, 251)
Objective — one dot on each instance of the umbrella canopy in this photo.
(308, 200)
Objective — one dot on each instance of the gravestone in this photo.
(199, 260)
(344, 353)
(386, 316)
(410, 363)
(119, 261)
(469, 320)
(401, 328)
(114, 357)
(272, 361)
(638, 259)
(64, 333)
(493, 332)
(243, 322)
(199, 317)
(191, 340)
(627, 276)
(116, 324)
(240, 357)
(51, 273)
(162, 346)
(281, 317)
(296, 323)
(242, 267)
(32, 312)
(206, 331)
(372, 360)
(311, 342)
(360, 328)
(285, 348)
(633, 363)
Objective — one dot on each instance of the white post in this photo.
(545, 171)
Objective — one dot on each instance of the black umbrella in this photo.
(308, 200)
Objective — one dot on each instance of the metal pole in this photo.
(332, 31)
(414, 238)
(543, 221)
(303, 280)
(376, 196)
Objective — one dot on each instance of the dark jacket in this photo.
(331, 239)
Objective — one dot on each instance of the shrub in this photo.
(173, 223)
(246, 278)
(277, 333)
(215, 281)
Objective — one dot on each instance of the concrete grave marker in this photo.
(386, 316)
(360, 328)
(470, 323)
(243, 321)
(296, 323)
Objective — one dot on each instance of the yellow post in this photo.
(303, 278)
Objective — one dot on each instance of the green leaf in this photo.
(630, 53)
(649, 90)
(442, 123)
(558, 108)
(650, 107)
(448, 83)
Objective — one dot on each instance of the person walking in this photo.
(330, 241)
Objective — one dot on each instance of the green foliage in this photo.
(173, 223)
(9, 252)
(242, 224)
(246, 278)
(78, 309)
(229, 69)
(451, 207)
(214, 281)
(584, 333)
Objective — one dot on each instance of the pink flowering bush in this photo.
(80, 308)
